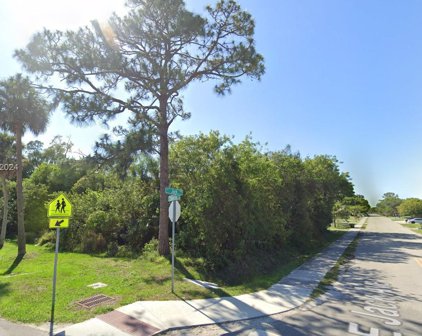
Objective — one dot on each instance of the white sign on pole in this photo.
(172, 198)
(172, 211)
(174, 214)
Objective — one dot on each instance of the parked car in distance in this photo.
(414, 220)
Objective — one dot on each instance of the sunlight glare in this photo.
(32, 16)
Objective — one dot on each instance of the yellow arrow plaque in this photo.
(55, 223)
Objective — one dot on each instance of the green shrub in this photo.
(112, 249)
(93, 243)
(150, 250)
(31, 237)
(48, 237)
(125, 252)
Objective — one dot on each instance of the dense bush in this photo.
(120, 213)
(36, 200)
(410, 207)
(240, 203)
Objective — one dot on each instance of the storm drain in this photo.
(95, 300)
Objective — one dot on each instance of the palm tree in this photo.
(6, 155)
(21, 108)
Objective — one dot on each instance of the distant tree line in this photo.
(392, 205)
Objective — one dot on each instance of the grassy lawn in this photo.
(26, 285)
(414, 227)
(342, 224)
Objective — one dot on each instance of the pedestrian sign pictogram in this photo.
(61, 223)
(60, 207)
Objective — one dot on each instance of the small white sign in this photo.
(173, 198)
(171, 211)
(204, 284)
(97, 285)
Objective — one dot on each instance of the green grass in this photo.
(414, 227)
(26, 285)
(342, 224)
(397, 218)
(25, 291)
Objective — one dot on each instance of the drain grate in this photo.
(95, 300)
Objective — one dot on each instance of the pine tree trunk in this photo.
(5, 211)
(19, 192)
(163, 234)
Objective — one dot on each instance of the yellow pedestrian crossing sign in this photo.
(61, 223)
(60, 207)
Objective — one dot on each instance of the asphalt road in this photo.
(379, 293)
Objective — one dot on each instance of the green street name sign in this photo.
(174, 191)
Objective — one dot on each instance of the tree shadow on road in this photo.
(389, 247)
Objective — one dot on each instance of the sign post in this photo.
(59, 212)
(173, 235)
(174, 214)
(56, 257)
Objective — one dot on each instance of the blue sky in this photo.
(343, 77)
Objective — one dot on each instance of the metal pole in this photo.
(56, 256)
(172, 245)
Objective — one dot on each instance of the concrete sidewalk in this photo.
(11, 329)
(149, 317)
